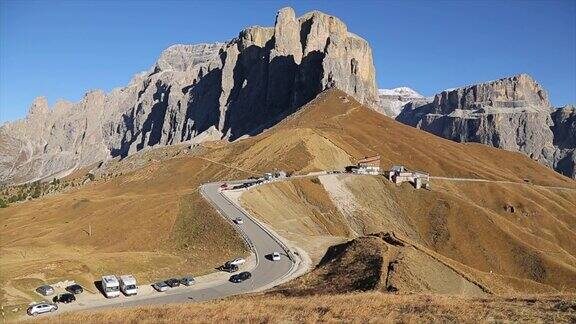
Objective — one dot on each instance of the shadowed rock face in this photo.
(511, 113)
(226, 90)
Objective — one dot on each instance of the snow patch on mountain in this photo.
(393, 100)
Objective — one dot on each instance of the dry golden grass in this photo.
(142, 217)
(371, 307)
(151, 222)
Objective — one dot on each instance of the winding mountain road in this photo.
(265, 273)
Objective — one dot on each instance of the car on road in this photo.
(45, 290)
(242, 276)
(160, 286)
(41, 308)
(238, 220)
(173, 282)
(187, 281)
(64, 298)
(237, 261)
(75, 289)
(275, 256)
(228, 267)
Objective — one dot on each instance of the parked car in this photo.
(238, 220)
(228, 267)
(275, 256)
(173, 282)
(64, 298)
(75, 289)
(45, 290)
(237, 261)
(224, 186)
(160, 286)
(187, 281)
(242, 276)
(41, 308)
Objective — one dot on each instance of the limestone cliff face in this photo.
(222, 90)
(564, 131)
(511, 113)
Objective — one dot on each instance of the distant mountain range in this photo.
(512, 113)
(239, 88)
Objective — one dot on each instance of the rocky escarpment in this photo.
(511, 113)
(392, 101)
(564, 131)
(193, 93)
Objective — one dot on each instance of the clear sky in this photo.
(61, 49)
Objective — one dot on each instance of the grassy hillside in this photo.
(359, 307)
(148, 219)
(151, 222)
(466, 227)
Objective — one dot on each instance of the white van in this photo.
(128, 285)
(110, 286)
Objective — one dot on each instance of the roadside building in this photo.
(399, 174)
(369, 165)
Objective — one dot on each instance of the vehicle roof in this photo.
(128, 278)
(110, 279)
(46, 287)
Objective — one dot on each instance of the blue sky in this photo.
(61, 49)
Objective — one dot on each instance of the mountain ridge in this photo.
(511, 113)
(227, 90)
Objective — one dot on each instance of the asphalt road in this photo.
(265, 272)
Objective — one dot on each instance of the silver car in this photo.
(41, 308)
(45, 290)
(160, 286)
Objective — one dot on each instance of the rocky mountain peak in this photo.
(511, 113)
(39, 107)
(194, 93)
(516, 92)
(181, 57)
(392, 101)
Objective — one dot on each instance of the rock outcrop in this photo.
(564, 131)
(392, 101)
(511, 113)
(227, 90)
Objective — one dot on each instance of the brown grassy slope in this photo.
(531, 250)
(151, 222)
(380, 262)
(334, 130)
(374, 307)
(45, 239)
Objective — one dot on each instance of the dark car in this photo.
(64, 298)
(75, 289)
(237, 278)
(229, 267)
(173, 282)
